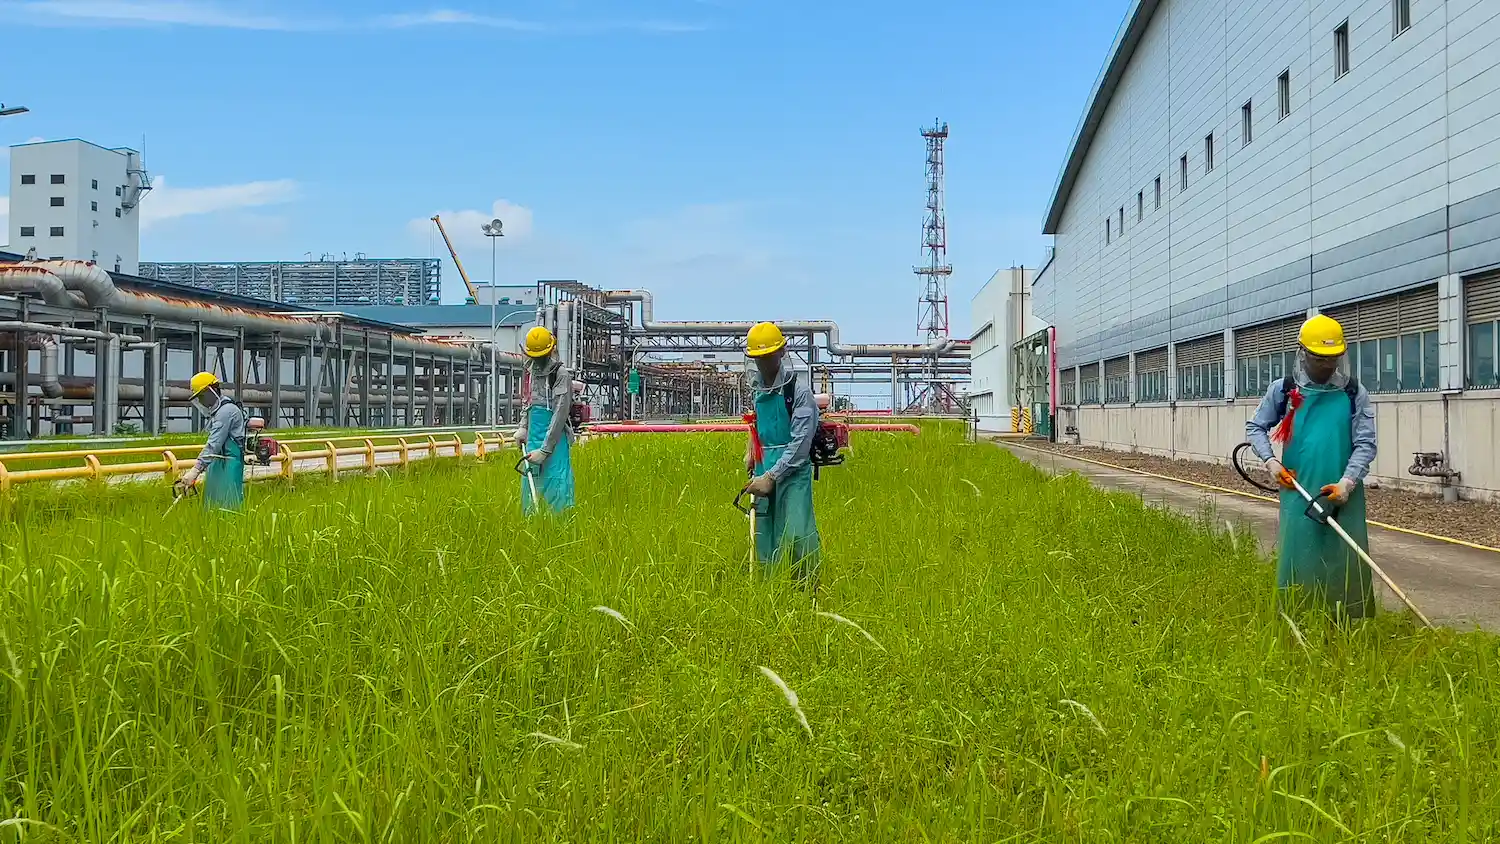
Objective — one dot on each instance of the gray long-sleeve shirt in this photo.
(804, 421)
(1273, 407)
(225, 421)
(560, 398)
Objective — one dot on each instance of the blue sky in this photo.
(741, 159)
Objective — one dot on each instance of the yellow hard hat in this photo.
(1322, 336)
(202, 381)
(765, 338)
(539, 342)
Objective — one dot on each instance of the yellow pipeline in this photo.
(1243, 494)
(170, 465)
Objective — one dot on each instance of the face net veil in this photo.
(1339, 379)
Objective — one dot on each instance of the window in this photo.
(1090, 384)
(1284, 94)
(1482, 355)
(28, 178)
(1393, 341)
(57, 202)
(57, 179)
(96, 184)
(1106, 231)
(1247, 129)
(1122, 221)
(1341, 50)
(1208, 153)
(1264, 354)
(1117, 381)
(117, 192)
(117, 212)
(57, 231)
(1070, 387)
(1158, 193)
(1182, 165)
(1140, 206)
(1200, 368)
(1400, 17)
(93, 206)
(1151, 376)
(28, 231)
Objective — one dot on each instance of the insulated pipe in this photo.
(51, 387)
(829, 328)
(33, 279)
(99, 291)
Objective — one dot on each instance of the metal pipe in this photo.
(829, 329)
(65, 331)
(27, 278)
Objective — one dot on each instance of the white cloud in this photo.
(38, 139)
(464, 226)
(168, 203)
(221, 15)
(451, 17)
(152, 12)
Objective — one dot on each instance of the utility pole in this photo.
(494, 230)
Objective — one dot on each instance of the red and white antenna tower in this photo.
(932, 311)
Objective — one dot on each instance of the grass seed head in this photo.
(614, 614)
(1088, 713)
(555, 741)
(863, 632)
(791, 698)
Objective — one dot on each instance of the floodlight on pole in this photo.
(494, 230)
(13, 110)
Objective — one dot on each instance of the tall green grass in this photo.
(406, 659)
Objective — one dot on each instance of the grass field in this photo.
(405, 659)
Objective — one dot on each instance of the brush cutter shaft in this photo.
(1327, 517)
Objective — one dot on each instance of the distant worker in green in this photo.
(544, 433)
(777, 458)
(221, 463)
(1323, 421)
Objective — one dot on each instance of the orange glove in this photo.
(1282, 474)
(1340, 491)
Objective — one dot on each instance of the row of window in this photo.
(61, 179)
(30, 231)
(1400, 22)
(1404, 364)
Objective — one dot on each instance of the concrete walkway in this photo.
(1454, 585)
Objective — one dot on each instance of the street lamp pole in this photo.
(494, 230)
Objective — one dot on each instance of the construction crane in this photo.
(473, 291)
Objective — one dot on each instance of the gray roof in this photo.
(456, 316)
(1120, 53)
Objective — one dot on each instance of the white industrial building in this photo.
(75, 200)
(1001, 314)
(1243, 165)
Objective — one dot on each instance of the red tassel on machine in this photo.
(755, 448)
(1283, 432)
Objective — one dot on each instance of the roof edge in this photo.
(1137, 19)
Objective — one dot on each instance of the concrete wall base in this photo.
(1466, 427)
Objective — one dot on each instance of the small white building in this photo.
(75, 200)
(1001, 315)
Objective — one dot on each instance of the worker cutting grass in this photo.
(544, 433)
(1322, 419)
(777, 458)
(221, 463)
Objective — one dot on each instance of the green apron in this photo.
(554, 478)
(1312, 558)
(224, 480)
(784, 523)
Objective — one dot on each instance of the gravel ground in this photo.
(1466, 520)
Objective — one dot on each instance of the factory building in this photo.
(1002, 317)
(1241, 166)
(73, 200)
(314, 284)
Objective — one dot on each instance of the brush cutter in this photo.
(748, 511)
(180, 491)
(1324, 515)
(525, 469)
